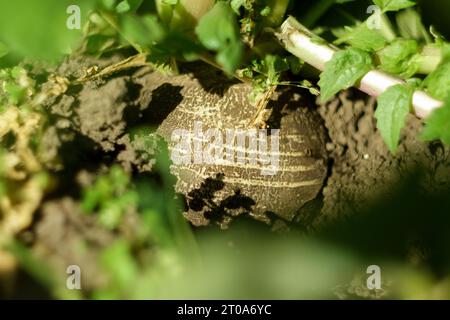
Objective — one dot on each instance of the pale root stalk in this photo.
(316, 52)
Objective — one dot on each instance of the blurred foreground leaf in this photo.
(37, 29)
(218, 31)
(394, 5)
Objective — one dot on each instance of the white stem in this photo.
(315, 51)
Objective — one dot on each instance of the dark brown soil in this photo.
(66, 236)
(362, 168)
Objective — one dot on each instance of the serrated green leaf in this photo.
(362, 37)
(218, 30)
(401, 58)
(394, 5)
(344, 70)
(437, 126)
(438, 82)
(393, 107)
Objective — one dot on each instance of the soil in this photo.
(66, 236)
(362, 170)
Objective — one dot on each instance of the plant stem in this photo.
(138, 60)
(315, 51)
(387, 30)
(211, 61)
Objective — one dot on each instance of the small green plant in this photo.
(111, 197)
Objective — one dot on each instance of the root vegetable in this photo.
(219, 191)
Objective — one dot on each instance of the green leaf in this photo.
(108, 4)
(128, 6)
(401, 57)
(3, 50)
(177, 45)
(120, 264)
(38, 29)
(165, 11)
(16, 93)
(273, 65)
(362, 37)
(394, 5)
(393, 107)
(218, 27)
(96, 44)
(230, 57)
(295, 64)
(410, 25)
(143, 31)
(437, 126)
(438, 82)
(218, 30)
(344, 70)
